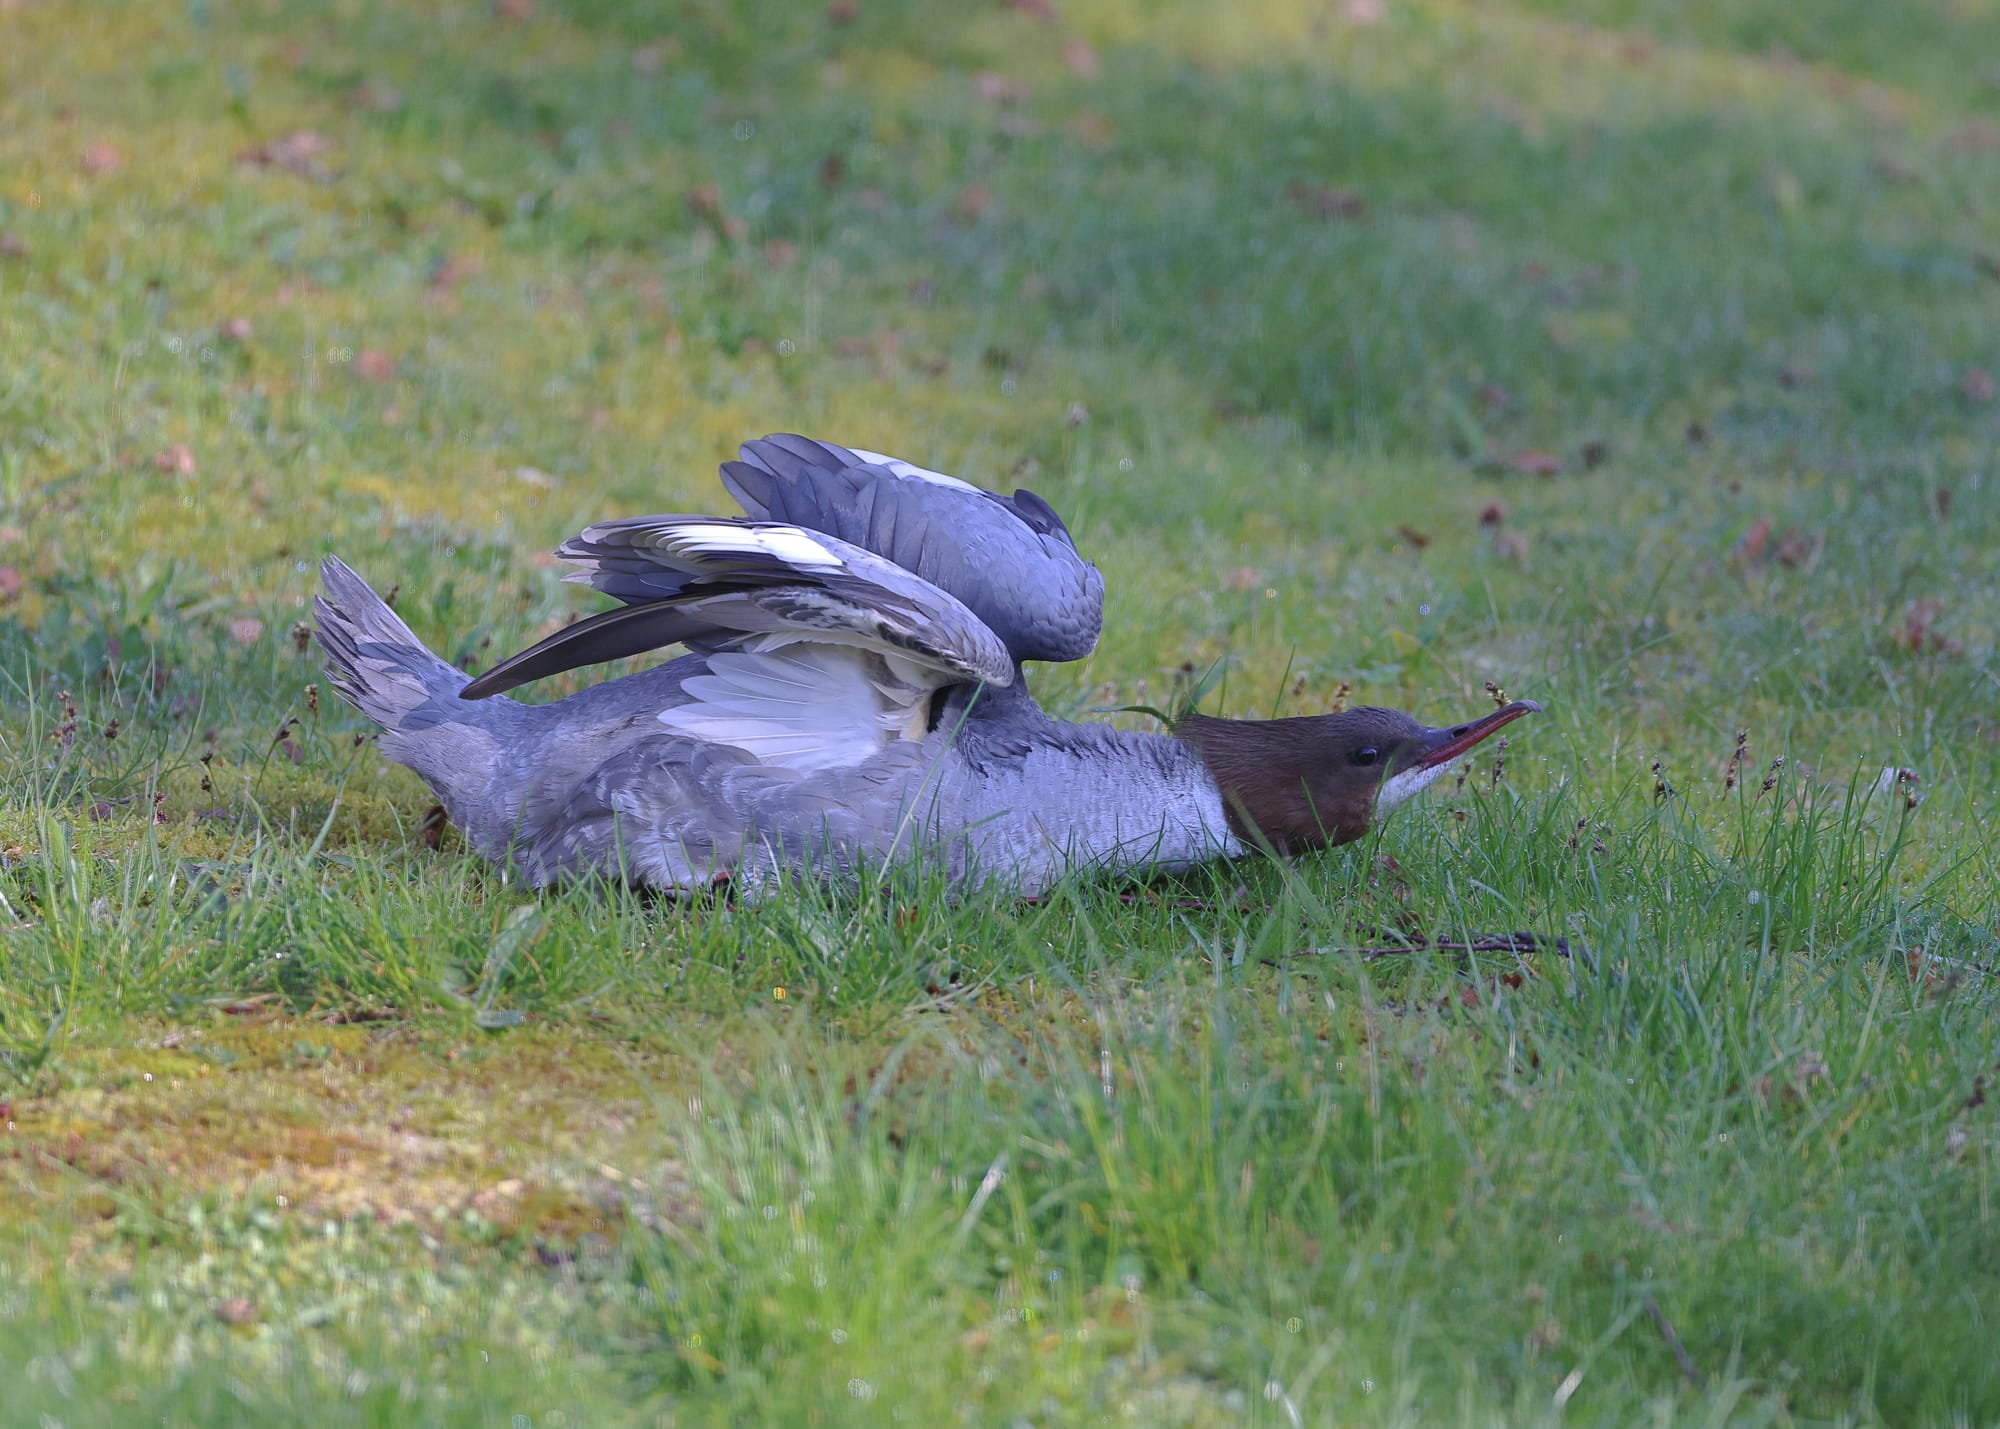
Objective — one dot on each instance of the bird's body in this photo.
(841, 709)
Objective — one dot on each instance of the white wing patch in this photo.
(806, 706)
(912, 471)
(695, 539)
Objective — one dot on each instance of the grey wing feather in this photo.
(724, 583)
(1009, 559)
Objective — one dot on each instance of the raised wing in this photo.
(1009, 560)
(723, 584)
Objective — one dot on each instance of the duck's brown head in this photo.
(1297, 784)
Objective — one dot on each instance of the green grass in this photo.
(310, 1121)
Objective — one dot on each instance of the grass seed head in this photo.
(1736, 757)
(65, 731)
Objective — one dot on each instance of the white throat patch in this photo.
(1401, 788)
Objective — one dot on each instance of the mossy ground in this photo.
(1638, 357)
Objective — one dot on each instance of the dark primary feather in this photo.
(608, 635)
(1009, 559)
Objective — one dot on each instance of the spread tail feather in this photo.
(376, 663)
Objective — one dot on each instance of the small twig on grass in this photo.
(350, 1016)
(254, 1005)
(1961, 965)
(1192, 905)
(1666, 1329)
(1485, 943)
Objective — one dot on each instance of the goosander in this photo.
(852, 697)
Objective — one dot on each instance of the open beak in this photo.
(1447, 744)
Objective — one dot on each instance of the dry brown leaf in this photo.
(997, 88)
(1796, 548)
(1918, 634)
(175, 460)
(1325, 200)
(650, 59)
(1891, 169)
(973, 200)
(452, 273)
(376, 98)
(298, 152)
(1090, 129)
(1535, 463)
(1975, 136)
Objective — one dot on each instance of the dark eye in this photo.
(1368, 755)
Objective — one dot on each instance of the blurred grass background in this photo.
(1636, 356)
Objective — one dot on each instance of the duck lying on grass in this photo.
(852, 696)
